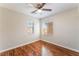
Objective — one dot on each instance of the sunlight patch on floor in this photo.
(46, 52)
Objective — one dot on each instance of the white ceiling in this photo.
(27, 9)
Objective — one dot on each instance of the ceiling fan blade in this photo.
(40, 5)
(47, 9)
(34, 11)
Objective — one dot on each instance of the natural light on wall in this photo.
(37, 27)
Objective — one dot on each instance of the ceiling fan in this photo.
(39, 7)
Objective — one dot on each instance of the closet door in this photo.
(49, 28)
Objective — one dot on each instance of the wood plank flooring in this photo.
(59, 51)
(34, 49)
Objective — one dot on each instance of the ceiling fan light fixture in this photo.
(39, 11)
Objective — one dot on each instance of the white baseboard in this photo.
(18, 46)
(35, 41)
(63, 46)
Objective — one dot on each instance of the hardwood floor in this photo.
(59, 51)
(34, 49)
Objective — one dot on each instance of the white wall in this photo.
(12, 29)
(65, 29)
